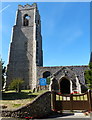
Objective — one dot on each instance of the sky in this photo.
(65, 29)
(91, 28)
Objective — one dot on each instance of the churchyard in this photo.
(12, 100)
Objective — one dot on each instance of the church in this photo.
(26, 57)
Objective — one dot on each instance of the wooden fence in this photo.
(71, 101)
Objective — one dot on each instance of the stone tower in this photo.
(26, 46)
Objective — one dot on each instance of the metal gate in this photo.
(71, 101)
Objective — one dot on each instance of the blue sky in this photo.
(65, 32)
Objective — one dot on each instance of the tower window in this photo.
(38, 22)
(26, 20)
(36, 43)
(46, 74)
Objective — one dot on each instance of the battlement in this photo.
(27, 6)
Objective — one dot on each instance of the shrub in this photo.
(88, 76)
(16, 84)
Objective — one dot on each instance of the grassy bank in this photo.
(12, 100)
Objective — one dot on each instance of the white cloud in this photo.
(4, 8)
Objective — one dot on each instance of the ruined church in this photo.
(26, 56)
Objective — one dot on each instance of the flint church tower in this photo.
(26, 46)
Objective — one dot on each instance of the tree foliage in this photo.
(88, 76)
(2, 72)
(48, 81)
(16, 84)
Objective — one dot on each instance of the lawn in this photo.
(12, 100)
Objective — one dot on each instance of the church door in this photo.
(65, 86)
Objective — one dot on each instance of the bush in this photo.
(88, 76)
(2, 74)
(48, 81)
(16, 84)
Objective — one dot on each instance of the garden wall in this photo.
(38, 108)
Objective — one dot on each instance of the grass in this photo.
(16, 105)
(12, 100)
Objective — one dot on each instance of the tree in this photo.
(88, 76)
(48, 81)
(2, 73)
(16, 84)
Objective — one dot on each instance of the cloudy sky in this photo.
(65, 31)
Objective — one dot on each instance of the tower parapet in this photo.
(27, 6)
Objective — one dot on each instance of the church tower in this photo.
(26, 46)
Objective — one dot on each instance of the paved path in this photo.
(65, 116)
(68, 116)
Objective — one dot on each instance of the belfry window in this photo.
(26, 20)
(38, 22)
(36, 43)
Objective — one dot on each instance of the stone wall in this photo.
(78, 70)
(40, 107)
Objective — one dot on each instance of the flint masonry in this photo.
(26, 46)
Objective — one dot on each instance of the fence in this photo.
(71, 101)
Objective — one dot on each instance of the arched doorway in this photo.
(65, 86)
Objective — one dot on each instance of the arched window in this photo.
(26, 20)
(46, 74)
